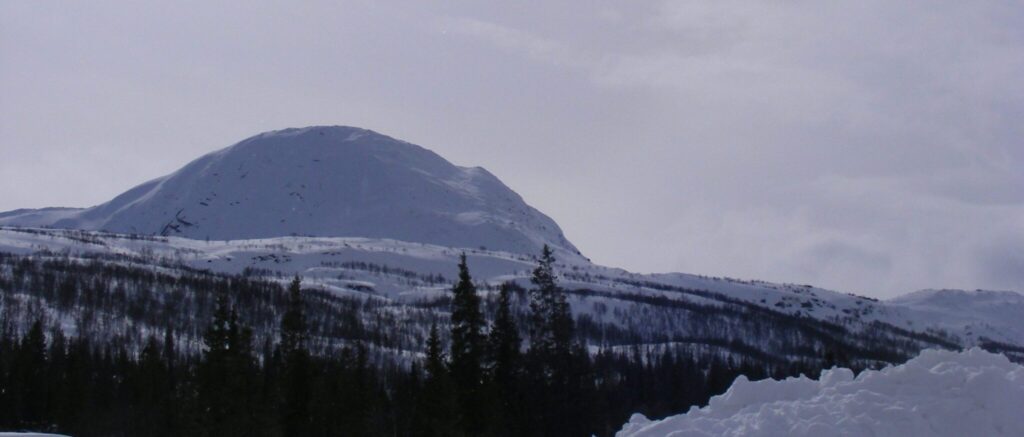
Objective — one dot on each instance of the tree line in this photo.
(115, 298)
(480, 378)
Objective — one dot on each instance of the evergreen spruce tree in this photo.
(28, 378)
(505, 363)
(558, 366)
(170, 356)
(437, 411)
(467, 350)
(296, 363)
(77, 397)
(226, 375)
(551, 323)
(57, 362)
(150, 391)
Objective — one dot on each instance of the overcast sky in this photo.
(874, 147)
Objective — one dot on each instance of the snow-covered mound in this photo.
(939, 393)
(320, 181)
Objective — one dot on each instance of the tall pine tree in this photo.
(467, 350)
(551, 323)
(505, 363)
(558, 366)
(226, 374)
(437, 410)
(28, 377)
(295, 411)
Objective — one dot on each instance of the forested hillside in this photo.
(126, 345)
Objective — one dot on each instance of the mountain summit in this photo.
(329, 181)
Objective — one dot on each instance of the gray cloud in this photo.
(1002, 262)
(870, 147)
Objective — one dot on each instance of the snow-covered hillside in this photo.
(340, 265)
(320, 181)
(976, 315)
(330, 202)
(939, 393)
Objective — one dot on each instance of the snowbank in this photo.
(939, 393)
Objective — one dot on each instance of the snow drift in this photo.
(939, 393)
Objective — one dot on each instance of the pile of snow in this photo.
(939, 393)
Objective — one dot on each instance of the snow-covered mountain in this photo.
(327, 181)
(360, 214)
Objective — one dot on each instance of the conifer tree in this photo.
(435, 364)
(505, 361)
(437, 412)
(170, 356)
(467, 349)
(551, 324)
(150, 383)
(225, 374)
(29, 378)
(293, 323)
(296, 363)
(56, 362)
(557, 364)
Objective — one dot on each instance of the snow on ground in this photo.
(939, 393)
(29, 434)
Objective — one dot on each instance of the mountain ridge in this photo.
(334, 265)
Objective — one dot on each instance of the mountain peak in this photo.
(329, 181)
(335, 133)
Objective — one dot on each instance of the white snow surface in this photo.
(327, 181)
(938, 393)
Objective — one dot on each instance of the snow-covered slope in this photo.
(37, 217)
(321, 181)
(975, 315)
(939, 393)
(327, 262)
